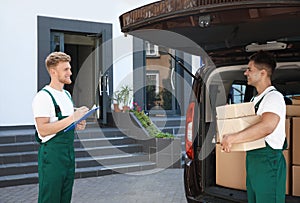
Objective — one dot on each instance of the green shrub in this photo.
(149, 126)
(164, 135)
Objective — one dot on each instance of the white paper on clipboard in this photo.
(89, 113)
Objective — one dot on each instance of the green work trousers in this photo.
(266, 175)
(56, 167)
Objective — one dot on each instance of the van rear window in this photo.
(236, 94)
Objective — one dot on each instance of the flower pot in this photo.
(126, 108)
(167, 152)
(122, 120)
(116, 108)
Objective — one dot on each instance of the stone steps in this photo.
(98, 152)
(92, 171)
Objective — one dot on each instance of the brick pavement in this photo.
(148, 186)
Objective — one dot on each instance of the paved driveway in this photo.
(149, 186)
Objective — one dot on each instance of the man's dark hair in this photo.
(264, 60)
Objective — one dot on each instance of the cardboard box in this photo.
(296, 181)
(286, 154)
(235, 110)
(233, 125)
(260, 143)
(226, 126)
(293, 110)
(296, 141)
(296, 100)
(230, 169)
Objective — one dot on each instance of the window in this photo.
(236, 94)
(152, 50)
(153, 80)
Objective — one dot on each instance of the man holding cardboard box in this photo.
(265, 167)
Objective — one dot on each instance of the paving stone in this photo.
(157, 185)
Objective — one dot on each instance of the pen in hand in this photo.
(79, 112)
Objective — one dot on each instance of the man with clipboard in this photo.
(53, 112)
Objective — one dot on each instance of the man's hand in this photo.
(227, 142)
(81, 125)
(79, 112)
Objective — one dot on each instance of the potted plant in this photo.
(122, 97)
(117, 99)
(125, 97)
(165, 148)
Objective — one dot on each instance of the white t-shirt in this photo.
(43, 106)
(273, 102)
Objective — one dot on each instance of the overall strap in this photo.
(57, 111)
(56, 107)
(285, 144)
(258, 103)
(69, 95)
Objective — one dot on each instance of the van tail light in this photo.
(189, 131)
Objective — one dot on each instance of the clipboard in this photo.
(89, 113)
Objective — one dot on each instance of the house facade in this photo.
(103, 58)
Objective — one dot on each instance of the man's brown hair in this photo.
(55, 57)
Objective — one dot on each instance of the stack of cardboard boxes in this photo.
(230, 167)
(234, 118)
(293, 117)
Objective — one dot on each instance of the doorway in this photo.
(88, 44)
(84, 66)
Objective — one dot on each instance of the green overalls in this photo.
(56, 165)
(266, 174)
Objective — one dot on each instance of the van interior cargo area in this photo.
(229, 174)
